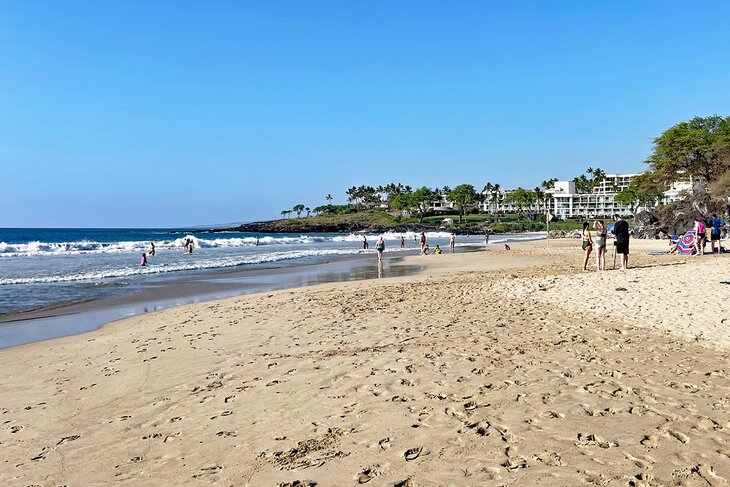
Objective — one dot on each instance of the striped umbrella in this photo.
(686, 244)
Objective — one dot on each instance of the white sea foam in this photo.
(85, 246)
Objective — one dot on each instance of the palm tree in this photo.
(299, 209)
(496, 196)
(539, 194)
(328, 198)
(308, 210)
(284, 213)
(487, 191)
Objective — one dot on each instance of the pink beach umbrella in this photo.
(686, 245)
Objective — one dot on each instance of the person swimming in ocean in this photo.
(143, 262)
(152, 249)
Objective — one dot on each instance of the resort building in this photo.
(441, 204)
(564, 201)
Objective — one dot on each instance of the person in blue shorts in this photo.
(715, 225)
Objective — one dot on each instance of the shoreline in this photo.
(499, 367)
(78, 317)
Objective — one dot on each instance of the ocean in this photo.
(48, 267)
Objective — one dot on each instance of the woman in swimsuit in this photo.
(601, 236)
(587, 245)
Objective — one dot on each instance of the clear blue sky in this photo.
(138, 113)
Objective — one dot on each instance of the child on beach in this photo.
(425, 250)
(437, 250)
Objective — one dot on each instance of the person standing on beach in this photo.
(699, 229)
(587, 245)
(486, 238)
(402, 242)
(423, 243)
(715, 230)
(380, 247)
(621, 230)
(452, 242)
(364, 242)
(601, 236)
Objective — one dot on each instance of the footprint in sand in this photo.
(412, 453)
(297, 483)
(367, 475)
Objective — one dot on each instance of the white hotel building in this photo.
(566, 202)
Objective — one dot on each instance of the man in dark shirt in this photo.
(716, 228)
(621, 230)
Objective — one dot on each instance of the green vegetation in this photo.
(417, 201)
(360, 219)
(346, 218)
(697, 148)
(463, 196)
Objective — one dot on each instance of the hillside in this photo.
(380, 221)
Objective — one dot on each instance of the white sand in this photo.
(495, 368)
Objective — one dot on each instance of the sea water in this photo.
(46, 267)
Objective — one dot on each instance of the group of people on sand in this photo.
(709, 229)
(599, 244)
(421, 239)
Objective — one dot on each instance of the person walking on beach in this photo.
(143, 262)
(380, 247)
(601, 236)
(699, 229)
(402, 242)
(423, 243)
(621, 230)
(152, 249)
(715, 230)
(452, 242)
(587, 244)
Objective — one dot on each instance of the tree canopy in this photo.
(416, 201)
(699, 147)
(463, 196)
(521, 197)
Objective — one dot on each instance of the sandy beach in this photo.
(488, 368)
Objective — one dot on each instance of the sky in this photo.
(181, 113)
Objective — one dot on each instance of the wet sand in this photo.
(158, 293)
(490, 368)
